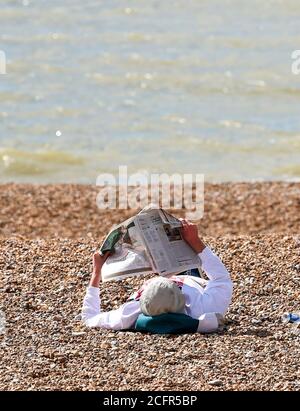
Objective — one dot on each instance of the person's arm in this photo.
(98, 262)
(218, 292)
(122, 318)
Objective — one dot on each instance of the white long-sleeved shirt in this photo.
(201, 303)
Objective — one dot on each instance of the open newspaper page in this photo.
(161, 234)
(115, 235)
(128, 254)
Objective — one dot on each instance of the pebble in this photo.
(255, 321)
(216, 383)
(44, 348)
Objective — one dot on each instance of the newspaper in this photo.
(150, 242)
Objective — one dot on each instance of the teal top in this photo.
(170, 323)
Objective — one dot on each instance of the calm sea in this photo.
(188, 86)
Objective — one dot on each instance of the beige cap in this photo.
(162, 296)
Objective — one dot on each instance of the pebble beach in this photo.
(47, 236)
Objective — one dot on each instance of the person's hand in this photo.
(98, 261)
(190, 235)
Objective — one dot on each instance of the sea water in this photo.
(193, 86)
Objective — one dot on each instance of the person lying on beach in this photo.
(184, 294)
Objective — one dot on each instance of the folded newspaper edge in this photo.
(150, 242)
